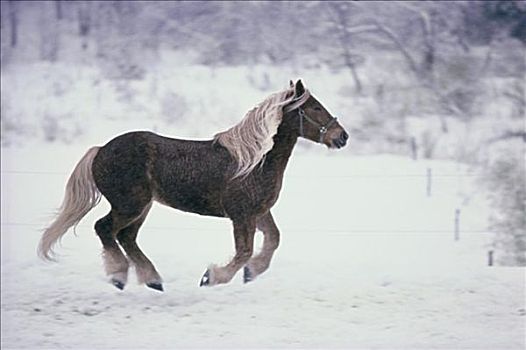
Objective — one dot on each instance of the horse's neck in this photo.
(277, 158)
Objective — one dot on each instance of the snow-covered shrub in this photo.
(13, 131)
(506, 180)
(173, 107)
(47, 101)
(515, 92)
(458, 83)
(64, 128)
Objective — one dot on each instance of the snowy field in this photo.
(367, 260)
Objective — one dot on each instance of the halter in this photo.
(322, 129)
(296, 104)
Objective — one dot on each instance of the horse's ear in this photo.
(291, 84)
(300, 90)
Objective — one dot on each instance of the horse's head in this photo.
(313, 121)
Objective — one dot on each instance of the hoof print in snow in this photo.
(247, 275)
(117, 284)
(156, 286)
(205, 280)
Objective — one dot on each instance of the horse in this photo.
(236, 175)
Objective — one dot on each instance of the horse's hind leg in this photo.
(115, 262)
(244, 242)
(107, 228)
(146, 272)
(260, 263)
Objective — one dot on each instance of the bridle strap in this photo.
(301, 114)
(296, 104)
(322, 129)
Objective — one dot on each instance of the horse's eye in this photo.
(317, 109)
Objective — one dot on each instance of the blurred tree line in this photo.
(230, 33)
(438, 43)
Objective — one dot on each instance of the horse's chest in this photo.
(273, 194)
(252, 197)
(268, 191)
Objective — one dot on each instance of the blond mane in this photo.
(251, 138)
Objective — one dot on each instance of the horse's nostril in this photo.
(341, 140)
(339, 143)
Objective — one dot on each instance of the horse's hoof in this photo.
(247, 275)
(118, 284)
(156, 286)
(205, 280)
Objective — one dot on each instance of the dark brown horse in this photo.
(237, 175)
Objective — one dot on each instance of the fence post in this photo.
(490, 257)
(428, 187)
(414, 148)
(457, 224)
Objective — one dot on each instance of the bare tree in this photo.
(49, 32)
(58, 9)
(422, 56)
(413, 29)
(13, 21)
(84, 17)
(340, 13)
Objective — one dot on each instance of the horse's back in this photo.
(141, 166)
(190, 175)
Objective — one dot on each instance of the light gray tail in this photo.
(81, 196)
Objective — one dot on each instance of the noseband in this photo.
(322, 129)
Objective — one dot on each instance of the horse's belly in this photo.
(188, 201)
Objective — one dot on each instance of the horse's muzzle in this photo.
(341, 140)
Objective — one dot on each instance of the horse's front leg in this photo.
(260, 263)
(244, 241)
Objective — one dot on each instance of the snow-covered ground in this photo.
(367, 260)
